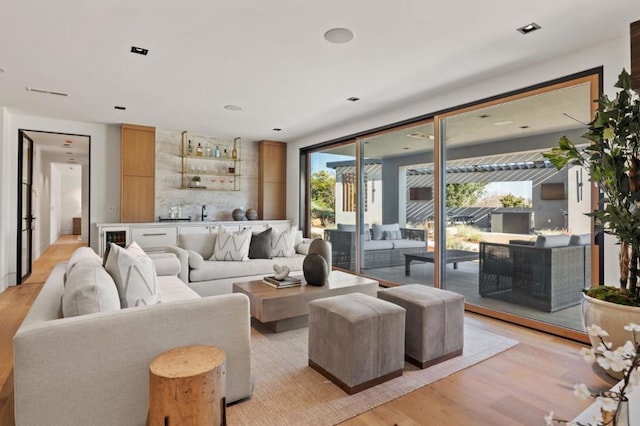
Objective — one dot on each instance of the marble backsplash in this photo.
(220, 203)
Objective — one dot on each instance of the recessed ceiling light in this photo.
(2, 70)
(277, 129)
(353, 99)
(529, 28)
(139, 50)
(120, 107)
(233, 108)
(405, 148)
(484, 116)
(339, 35)
(502, 123)
(69, 153)
(524, 127)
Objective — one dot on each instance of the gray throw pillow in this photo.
(260, 245)
(549, 241)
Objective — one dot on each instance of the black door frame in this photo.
(21, 135)
(28, 214)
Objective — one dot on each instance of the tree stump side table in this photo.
(187, 386)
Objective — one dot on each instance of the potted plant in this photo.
(613, 161)
(195, 181)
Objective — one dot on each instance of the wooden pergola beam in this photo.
(635, 54)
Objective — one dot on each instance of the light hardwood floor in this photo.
(516, 387)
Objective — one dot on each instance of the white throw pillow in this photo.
(134, 274)
(79, 254)
(283, 243)
(232, 246)
(89, 289)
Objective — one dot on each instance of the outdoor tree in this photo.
(465, 194)
(323, 187)
(511, 200)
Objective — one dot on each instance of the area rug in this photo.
(288, 392)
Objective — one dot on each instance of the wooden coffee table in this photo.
(285, 309)
(453, 256)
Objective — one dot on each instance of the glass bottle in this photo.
(234, 151)
(216, 153)
(190, 148)
(207, 151)
(199, 150)
(225, 154)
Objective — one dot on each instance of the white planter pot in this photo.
(612, 318)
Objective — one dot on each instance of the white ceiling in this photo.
(72, 150)
(270, 57)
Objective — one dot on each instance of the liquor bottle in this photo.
(234, 151)
(216, 153)
(225, 154)
(207, 151)
(199, 150)
(190, 148)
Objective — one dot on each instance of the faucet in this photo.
(204, 212)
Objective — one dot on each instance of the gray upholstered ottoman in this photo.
(434, 322)
(356, 341)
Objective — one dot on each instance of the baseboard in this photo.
(4, 283)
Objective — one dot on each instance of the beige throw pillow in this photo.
(283, 243)
(134, 274)
(89, 289)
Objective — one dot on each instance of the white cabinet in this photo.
(155, 237)
(198, 229)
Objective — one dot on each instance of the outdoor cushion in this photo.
(392, 235)
(402, 244)
(552, 241)
(352, 228)
(378, 230)
(580, 240)
(377, 245)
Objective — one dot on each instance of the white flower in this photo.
(548, 419)
(632, 327)
(596, 331)
(588, 354)
(608, 404)
(633, 96)
(597, 418)
(581, 391)
(627, 350)
(612, 360)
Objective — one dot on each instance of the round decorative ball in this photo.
(315, 270)
(238, 214)
(252, 214)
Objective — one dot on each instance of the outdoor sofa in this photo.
(548, 274)
(383, 245)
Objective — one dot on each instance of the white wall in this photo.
(7, 245)
(54, 208)
(613, 55)
(70, 201)
(105, 174)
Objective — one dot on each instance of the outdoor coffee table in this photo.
(282, 309)
(453, 256)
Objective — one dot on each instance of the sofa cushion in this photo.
(580, 240)
(166, 263)
(214, 270)
(392, 235)
(260, 245)
(548, 241)
(89, 289)
(378, 230)
(352, 228)
(232, 246)
(172, 289)
(195, 259)
(283, 243)
(135, 275)
(200, 243)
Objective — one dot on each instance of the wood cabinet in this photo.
(272, 180)
(137, 179)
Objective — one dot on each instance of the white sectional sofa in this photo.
(213, 277)
(92, 369)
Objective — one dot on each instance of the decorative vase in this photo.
(238, 214)
(611, 317)
(315, 270)
(323, 248)
(619, 417)
(251, 214)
